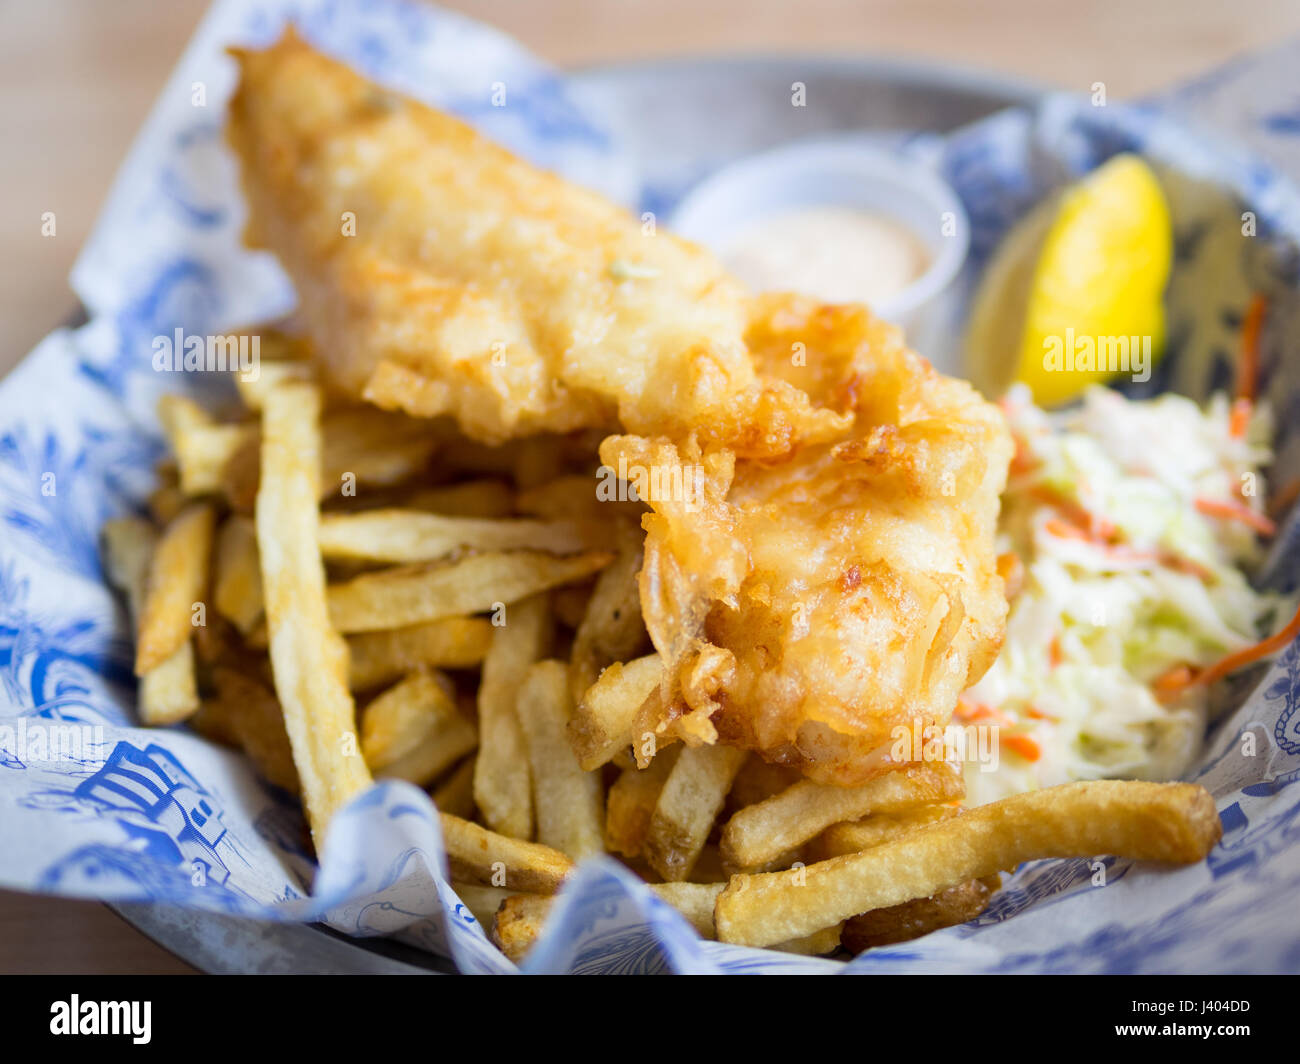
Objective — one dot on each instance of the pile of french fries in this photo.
(348, 594)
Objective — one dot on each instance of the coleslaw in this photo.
(1129, 526)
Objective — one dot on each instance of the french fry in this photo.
(213, 721)
(539, 462)
(470, 498)
(785, 859)
(202, 445)
(400, 718)
(126, 544)
(612, 629)
(631, 803)
(517, 924)
(486, 499)
(568, 494)
(167, 500)
(569, 801)
(216, 642)
(478, 855)
(818, 944)
(606, 715)
(694, 901)
(688, 805)
(366, 446)
(240, 473)
(432, 756)
(460, 454)
(258, 638)
(415, 594)
(450, 643)
(912, 919)
(178, 577)
(1174, 822)
(397, 536)
(271, 374)
(483, 902)
(237, 584)
(413, 731)
(573, 494)
(519, 919)
(758, 780)
(503, 784)
(854, 836)
(257, 723)
(168, 692)
(308, 658)
(361, 447)
(455, 793)
(759, 833)
(569, 604)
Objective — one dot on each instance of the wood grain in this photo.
(54, 936)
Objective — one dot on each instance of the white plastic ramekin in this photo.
(846, 173)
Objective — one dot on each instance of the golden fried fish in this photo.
(438, 274)
(808, 607)
(819, 566)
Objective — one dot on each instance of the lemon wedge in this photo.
(1074, 294)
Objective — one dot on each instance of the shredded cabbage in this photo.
(1128, 574)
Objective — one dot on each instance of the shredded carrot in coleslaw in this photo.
(1236, 511)
(1097, 526)
(1022, 745)
(1180, 677)
(1119, 514)
(971, 712)
(1247, 656)
(1171, 683)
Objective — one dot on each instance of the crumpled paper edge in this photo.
(600, 888)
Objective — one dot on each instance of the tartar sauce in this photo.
(838, 254)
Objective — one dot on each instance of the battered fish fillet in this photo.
(819, 565)
(438, 274)
(807, 607)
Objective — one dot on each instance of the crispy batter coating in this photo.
(439, 274)
(819, 565)
(808, 607)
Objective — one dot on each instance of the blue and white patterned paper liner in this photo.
(161, 815)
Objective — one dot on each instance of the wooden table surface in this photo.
(77, 78)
